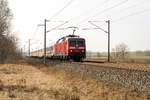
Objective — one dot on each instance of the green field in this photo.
(132, 57)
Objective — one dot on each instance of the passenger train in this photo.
(68, 47)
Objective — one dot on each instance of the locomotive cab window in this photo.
(76, 42)
(72, 42)
(80, 42)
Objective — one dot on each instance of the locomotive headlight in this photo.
(82, 50)
(70, 50)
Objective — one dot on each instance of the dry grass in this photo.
(34, 81)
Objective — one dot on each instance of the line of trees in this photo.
(143, 53)
(8, 45)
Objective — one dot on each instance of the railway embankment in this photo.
(134, 79)
(30, 80)
(132, 76)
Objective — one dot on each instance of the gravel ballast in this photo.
(133, 79)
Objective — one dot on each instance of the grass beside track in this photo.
(142, 64)
(30, 80)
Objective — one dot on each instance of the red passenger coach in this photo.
(70, 47)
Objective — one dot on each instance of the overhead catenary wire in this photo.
(132, 14)
(57, 26)
(124, 17)
(35, 32)
(107, 9)
(90, 10)
(63, 8)
(114, 6)
(56, 14)
(132, 6)
(45, 24)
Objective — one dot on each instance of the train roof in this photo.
(67, 37)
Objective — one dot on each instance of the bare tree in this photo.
(120, 51)
(7, 41)
(5, 17)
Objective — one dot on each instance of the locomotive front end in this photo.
(76, 48)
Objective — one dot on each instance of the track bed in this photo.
(134, 79)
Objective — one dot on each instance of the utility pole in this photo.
(45, 41)
(44, 38)
(45, 31)
(108, 32)
(24, 51)
(21, 53)
(108, 40)
(29, 49)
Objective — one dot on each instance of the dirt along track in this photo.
(135, 79)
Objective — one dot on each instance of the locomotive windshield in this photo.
(72, 42)
(76, 42)
(80, 42)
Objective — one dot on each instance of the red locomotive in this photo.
(68, 47)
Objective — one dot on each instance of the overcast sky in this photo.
(130, 21)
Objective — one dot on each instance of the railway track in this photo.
(134, 79)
